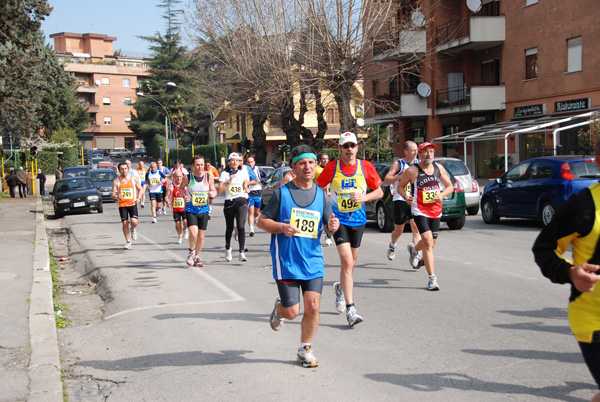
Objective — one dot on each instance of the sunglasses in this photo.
(350, 145)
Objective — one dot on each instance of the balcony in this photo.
(470, 33)
(392, 107)
(86, 88)
(400, 44)
(474, 98)
(93, 108)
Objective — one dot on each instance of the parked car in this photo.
(272, 184)
(97, 159)
(461, 172)
(382, 210)
(140, 153)
(76, 194)
(107, 165)
(537, 187)
(76, 171)
(119, 153)
(267, 169)
(103, 179)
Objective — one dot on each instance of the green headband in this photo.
(304, 155)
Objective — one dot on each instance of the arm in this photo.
(140, 189)
(408, 176)
(446, 180)
(392, 175)
(286, 179)
(374, 183)
(168, 196)
(224, 182)
(212, 191)
(184, 184)
(113, 193)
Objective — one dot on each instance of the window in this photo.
(126, 82)
(106, 101)
(375, 87)
(541, 170)
(127, 101)
(105, 81)
(393, 86)
(531, 66)
(574, 54)
(107, 121)
(518, 173)
(127, 120)
(333, 116)
(490, 72)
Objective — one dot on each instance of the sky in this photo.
(123, 19)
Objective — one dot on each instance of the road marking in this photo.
(233, 296)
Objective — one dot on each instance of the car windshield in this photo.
(75, 184)
(102, 176)
(584, 170)
(456, 167)
(75, 172)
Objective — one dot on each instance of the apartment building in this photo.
(107, 85)
(490, 73)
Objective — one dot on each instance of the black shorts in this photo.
(591, 355)
(426, 224)
(289, 291)
(179, 216)
(164, 191)
(402, 212)
(349, 234)
(158, 197)
(128, 213)
(200, 220)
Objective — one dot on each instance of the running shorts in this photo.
(349, 234)
(179, 216)
(426, 224)
(158, 197)
(289, 290)
(200, 220)
(254, 202)
(402, 212)
(128, 213)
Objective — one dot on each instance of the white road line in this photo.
(233, 296)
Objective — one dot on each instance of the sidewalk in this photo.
(29, 360)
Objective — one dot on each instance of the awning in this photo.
(504, 129)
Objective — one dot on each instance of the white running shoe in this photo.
(306, 357)
(154, 220)
(340, 300)
(142, 204)
(352, 317)
(228, 256)
(158, 211)
(391, 254)
(198, 262)
(186, 234)
(251, 231)
(190, 258)
(243, 257)
(328, 241)
(274, 319)
(413, 257)
(128, 245)
(179, 240)
(164, 210)
(433, 284)
(134, 234)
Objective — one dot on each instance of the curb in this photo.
(45, 383)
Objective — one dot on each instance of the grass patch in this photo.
(60, 309)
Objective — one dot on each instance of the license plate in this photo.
(78, 204)
(106, 193)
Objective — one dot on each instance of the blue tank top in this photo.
(299, 257)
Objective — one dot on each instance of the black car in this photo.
(140, 153)
(76, 171)
(74, 195)
(103, 180)
(273, 181)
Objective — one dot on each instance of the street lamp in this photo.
(210, 113)
(167, 128)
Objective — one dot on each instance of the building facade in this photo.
(483, 63)
(107, 85)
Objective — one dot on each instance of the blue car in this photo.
(536, 188)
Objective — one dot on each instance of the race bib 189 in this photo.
(307, 221)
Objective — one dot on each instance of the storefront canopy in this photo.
(504, 129)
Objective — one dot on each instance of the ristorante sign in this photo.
(571, 105)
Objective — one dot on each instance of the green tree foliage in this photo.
(64, 135)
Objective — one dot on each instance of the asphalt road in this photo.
(496, 331)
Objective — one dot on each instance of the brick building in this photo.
(107, 86)
(487, 65)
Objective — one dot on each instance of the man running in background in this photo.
(126, 190)
(155, 179)
(255, 195)
(323, 161)
(141, 170)
(175, 200)
(167, 173)
(349, 179)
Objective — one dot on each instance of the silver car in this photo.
(461, 172)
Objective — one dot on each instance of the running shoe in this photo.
(179, 239)
(133, 234)
(274, 318)
(142, 204)
(306, 357)
(340, 300)
(251, 231)
(243, 257)
(328, 241)
(228, 256)
(186, 234)
(159, 211)
(154, 220)
(164, 210)
(128, 245)
(190, 258)
(198, 262)
(420, 264)
(391, 252)
(352, 317)
(413, 257)
(432, 284)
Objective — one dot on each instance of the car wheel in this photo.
(488, 212)
(384, 222)
(57, 213)
(474, 210)
(547, 212)
(458, 223)
(100, 209)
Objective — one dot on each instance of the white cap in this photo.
(233, 155)
(348, 137)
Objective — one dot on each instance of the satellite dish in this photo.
(360, 122)
(474, 5)
(423, 90)
(98, 82)
(418, 19)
